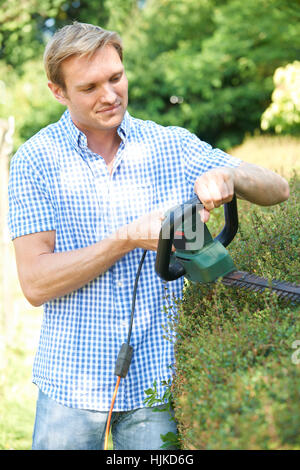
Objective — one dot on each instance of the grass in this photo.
(17, 393)
(17, 396)
(280, 154)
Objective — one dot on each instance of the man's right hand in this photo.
(144, 231)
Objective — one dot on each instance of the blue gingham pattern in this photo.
(57, 183)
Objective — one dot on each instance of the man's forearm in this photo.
(251, 182)
(45, 275)
(58, 274)
(259, 185)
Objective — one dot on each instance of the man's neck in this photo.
(102, 142)
(106, 146)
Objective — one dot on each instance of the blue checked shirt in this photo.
(57, 183)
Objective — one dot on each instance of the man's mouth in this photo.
(109, 109)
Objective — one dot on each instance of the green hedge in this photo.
(236, 385)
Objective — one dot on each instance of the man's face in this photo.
(96, 90)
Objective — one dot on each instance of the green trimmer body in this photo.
(198, 256)
(208, 264)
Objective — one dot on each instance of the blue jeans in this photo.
(58, 427)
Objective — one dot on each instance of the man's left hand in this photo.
(214, 188)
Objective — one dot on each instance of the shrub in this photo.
(236, 386)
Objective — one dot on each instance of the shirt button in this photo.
(119, 283)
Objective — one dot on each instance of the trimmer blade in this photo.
(249, 281)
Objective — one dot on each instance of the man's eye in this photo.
(88, 89)
(115, 79)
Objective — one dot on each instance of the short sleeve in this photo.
(199, 157)
(30, 207)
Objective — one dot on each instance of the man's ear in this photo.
(58, 93)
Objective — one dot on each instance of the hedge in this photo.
(236, 384)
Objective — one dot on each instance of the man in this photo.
(87, 196)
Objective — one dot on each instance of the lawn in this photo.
(17, 393)
(281, 154)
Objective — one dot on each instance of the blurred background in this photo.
(227, 70)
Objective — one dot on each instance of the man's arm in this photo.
(45, 275)
(251, 182)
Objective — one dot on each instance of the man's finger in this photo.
(204, 215)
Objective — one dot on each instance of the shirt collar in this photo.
(124, 127)
(78, 138)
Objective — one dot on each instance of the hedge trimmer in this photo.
(201, 258)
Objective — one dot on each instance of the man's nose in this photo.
(108, 95)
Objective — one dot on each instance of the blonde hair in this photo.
(76, 39)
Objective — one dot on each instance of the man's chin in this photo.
(109, 122)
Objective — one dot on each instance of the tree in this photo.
(283, 114)
(206, 65)
(217, 57)
(26, 27)
(21, 33)
(27, 24)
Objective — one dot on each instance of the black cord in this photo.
(126, 351)
(134, 294)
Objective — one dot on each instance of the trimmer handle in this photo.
(166, 265)
(231, 223)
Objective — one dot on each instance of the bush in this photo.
(236, 386)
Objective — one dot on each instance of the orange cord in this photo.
(110, 413)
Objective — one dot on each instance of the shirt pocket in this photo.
(81, 211)
(131, 200)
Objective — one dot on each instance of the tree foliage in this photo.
(25, 29)
(26, 25)
(22, 28)
(26, 97)
(218, 56)
(283, 114)
(206, 65)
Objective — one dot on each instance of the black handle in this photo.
(231, 223)
(166, 265)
